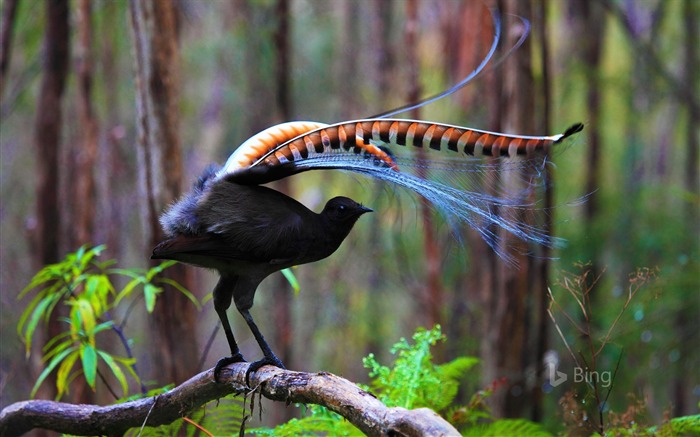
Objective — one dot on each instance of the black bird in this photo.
(247, 232)
(244, 231)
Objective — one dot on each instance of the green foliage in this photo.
(414, 381)
(687, 425)
(85, 286)
(679, 426)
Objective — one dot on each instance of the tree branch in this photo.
(359, 407)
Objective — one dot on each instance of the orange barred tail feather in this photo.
(287, 144)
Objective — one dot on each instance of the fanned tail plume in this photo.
(452, 174)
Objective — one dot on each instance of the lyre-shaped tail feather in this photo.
(278, 151)
(451, 174)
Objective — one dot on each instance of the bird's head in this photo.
(341, 213)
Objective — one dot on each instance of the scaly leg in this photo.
(223, 292)
(269, 356)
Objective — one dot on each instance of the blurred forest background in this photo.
(75, 161)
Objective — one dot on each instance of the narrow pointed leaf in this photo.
(89, 358)
(47, 371)
(116, 370)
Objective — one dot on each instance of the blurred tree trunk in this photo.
(466, 42)
(84, 152)
(282, 292)
(47, 136)
(78, 215)
(432, 296)
(381, 74)
(513, 302)
(112, 156)
(481, 259)
(155, 32)
(7, 26)
(348, 67)
(542, 265)
(381, 13)
(589, 19)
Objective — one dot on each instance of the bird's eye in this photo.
(341, 208)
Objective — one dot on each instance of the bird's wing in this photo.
(272, 244)
(254, 222)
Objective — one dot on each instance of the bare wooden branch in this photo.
(359, 407)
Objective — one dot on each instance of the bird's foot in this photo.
(255, 365)
(225, 361)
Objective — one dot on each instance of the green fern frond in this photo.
(679, 426)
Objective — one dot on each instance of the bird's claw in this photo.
(255, 365)
(225, 361)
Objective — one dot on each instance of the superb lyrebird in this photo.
(228, 222)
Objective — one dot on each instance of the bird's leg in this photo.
(223, 292)
(269, 357)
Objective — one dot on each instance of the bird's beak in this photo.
(364, 209)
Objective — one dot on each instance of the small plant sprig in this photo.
(84, 284)
(580, 286)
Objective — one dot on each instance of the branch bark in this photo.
(359, 407)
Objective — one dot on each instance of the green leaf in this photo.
(62, 376)
(49, 346)
(28, 311)
(150, 292)
(68, 342)
(182, 290)
(98, 286)
(80, 252)
(158, 269)
(103, 326)
(33, 322)
(52, 365)
(292, 279)
(50, 273)
(39, 279)
(58, 294)
(89, 358)
(128, 288)
(132, 273)
(128, 363)
(87, 318)
(116, 370)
